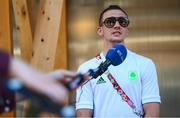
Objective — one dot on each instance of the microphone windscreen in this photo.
(117, 54)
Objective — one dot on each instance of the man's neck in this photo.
(107, 46)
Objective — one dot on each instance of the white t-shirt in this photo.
(136, 76)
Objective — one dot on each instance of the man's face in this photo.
(115, 33)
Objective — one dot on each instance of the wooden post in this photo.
(5, 27)
(5, 36)
(23, 28)
(61, 59)
(33, 8)
(49, 44)
(47, 34)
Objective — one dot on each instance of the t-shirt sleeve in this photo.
(84, 94)
(150, 87)
(7, 97)
(4, 64)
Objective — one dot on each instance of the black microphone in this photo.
(115, 56)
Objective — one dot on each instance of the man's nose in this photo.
(117, 25)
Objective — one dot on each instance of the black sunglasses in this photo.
(111, 21)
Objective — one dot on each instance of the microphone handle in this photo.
(75, 83)
(101, 69)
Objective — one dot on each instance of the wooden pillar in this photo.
(61, 59)
(23, 28)
(48, 38)
(33, 8)
(5, 27)
(5, 36)
(49, 41)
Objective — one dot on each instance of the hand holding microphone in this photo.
(115, 56)
(43, 89)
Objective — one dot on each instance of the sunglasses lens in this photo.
(110, 22)
(124, 22)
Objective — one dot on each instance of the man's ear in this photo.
(99, 31)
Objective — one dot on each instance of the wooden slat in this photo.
(5, 37)
(47, 34)
(33, 7)
(23, 28)
(5, 27)
(61, 52)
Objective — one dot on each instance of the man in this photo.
(45, 84)
(136, 77)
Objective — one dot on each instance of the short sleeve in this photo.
(7, 97)
(150, 87)
(84, 94)
(4, 64)
(84, 97)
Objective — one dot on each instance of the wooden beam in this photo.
(33, 6)
(61, 51)
(47, 33)
(5, 27)
(23, 28)
(6, 37)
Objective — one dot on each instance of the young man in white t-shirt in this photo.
(136, 76)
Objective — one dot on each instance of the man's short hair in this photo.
(110, 7)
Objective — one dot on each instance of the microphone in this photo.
(115, 56)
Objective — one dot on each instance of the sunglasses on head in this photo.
(111, 21)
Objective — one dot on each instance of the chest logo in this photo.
(100, 81)
(132, 75)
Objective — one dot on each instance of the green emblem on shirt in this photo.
(100, 81)
(132, 75)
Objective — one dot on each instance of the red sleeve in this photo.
(4, 64)
(7, 97)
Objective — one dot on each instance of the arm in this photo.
(38, 81)
(84, 96)
(150, 91)
(151, 109)
(80, 113)
(32, 78)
